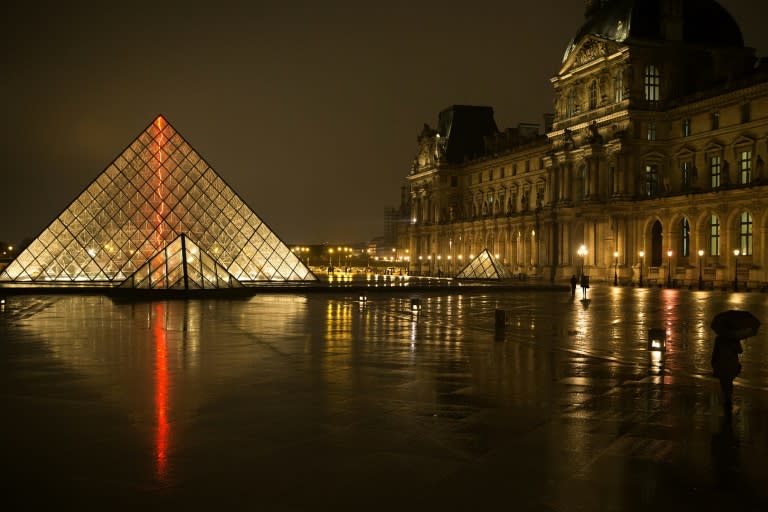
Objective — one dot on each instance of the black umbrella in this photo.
(735, 324)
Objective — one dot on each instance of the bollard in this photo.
(501, 319)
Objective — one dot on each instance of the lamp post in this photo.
(642, 255)
(429, 265)
(701, 280)
(736, 253)
(582, 252)
(330, 259)
(669, 269)
(615, 268)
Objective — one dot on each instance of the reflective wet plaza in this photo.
(307, 401)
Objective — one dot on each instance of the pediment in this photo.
(713, 146)
(588, 50)
(685, 151)
(743, 140)
(653, 155)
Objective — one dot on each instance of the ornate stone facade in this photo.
(654, 162)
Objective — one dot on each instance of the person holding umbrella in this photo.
(726, 366)
(731, 327)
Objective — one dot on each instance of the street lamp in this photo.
(642, 255)
(736, 253)
(669, 269)
(582, 252)
(615, 268)
(701, 281)
(330, 259)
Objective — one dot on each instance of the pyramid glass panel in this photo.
(484, 266)
(157, 189)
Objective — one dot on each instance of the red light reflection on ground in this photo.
(161, 390)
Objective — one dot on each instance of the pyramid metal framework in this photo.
(131, 216)
(484, 266)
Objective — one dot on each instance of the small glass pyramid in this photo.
(484, 266)
(156, 189)
(181, 265)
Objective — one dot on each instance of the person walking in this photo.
(573, 286)
(726, 366)
(584, 285)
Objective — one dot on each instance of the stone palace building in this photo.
(652, 167)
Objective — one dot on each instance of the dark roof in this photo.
(464, 128)
(705, 22)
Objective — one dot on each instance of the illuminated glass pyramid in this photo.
(134, 212)
(484, 266)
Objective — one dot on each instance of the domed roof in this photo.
(704, 22)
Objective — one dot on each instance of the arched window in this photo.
(745, 234)
(652, 82)
(685, 238)
(714, 236)
(593, 95)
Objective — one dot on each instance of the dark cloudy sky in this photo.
(310, 110)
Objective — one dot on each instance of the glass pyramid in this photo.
(485, 266)
(158, 188)
(181, 265)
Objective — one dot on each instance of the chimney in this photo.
(672, 19)
(591, 7)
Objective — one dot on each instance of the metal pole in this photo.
(701, 281)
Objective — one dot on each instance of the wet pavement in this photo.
(319, 401)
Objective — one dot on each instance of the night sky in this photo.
(310, 112)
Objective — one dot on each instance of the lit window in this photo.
(685, 170)
(745, 167)
(570, 104)
(686, 127)
(714, 170)
(652, 83)
(651, 180)
(714, 236)
(651, 130)
(745, 234)
(618, 87)
(685, 238)
(593, 95)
